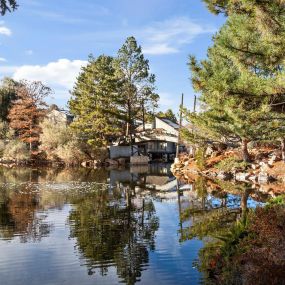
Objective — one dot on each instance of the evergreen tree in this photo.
(137, 84)
(7, 6)
(27, 112)
(7, 95)
(168, 114)
(241, 83)
(148, 101)
(94, 102)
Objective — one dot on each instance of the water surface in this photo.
(134, 226)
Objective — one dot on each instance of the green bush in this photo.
(232, 163)
(16, 150)
(280, 200)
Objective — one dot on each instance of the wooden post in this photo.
(194, 110)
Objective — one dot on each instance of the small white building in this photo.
(56, 116)
(159, 139)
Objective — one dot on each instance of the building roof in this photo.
(169, 122)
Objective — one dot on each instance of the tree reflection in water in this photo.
(219, 206)
(19, 215)
(22, 204)
(114, 228)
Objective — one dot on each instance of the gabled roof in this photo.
(169, 122)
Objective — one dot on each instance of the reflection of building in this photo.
(153, 176)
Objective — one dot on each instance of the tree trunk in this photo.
(143, 110)
(129, 125)
(283, 149)
(127, 129)
(243, 205)
(245, 153)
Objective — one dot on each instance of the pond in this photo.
(104, 226)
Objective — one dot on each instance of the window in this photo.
(163, 145)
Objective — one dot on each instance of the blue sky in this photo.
(51, 40)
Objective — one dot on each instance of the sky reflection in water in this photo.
(105, 227)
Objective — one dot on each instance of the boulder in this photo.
(111, 162)
(272, 159)
(209, 151)
(122, 161)
(253, 178)
(255, 166)
(242, 176)
(264, 167)
(263, 178)
(224, 175)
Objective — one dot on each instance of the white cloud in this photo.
(61, 73)
(159, 49)
(2, 59)
(5, 31)
(169, 36)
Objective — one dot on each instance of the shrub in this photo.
(231, 163)
(52, 137)
(16, 150)
(280, 200)
(70, 153)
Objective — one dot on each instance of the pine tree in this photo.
(137, 84)
(7, 95)
(7, 6)
(94, 102)
(27, 112)
(241, 83)
(168, 114)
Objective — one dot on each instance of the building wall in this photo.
(161, 147)
(122, 151)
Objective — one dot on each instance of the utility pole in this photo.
(180, 126)
(194, 110)
(195, 102)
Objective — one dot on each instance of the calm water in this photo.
(109, 226)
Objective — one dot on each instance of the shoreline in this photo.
(266, 176)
